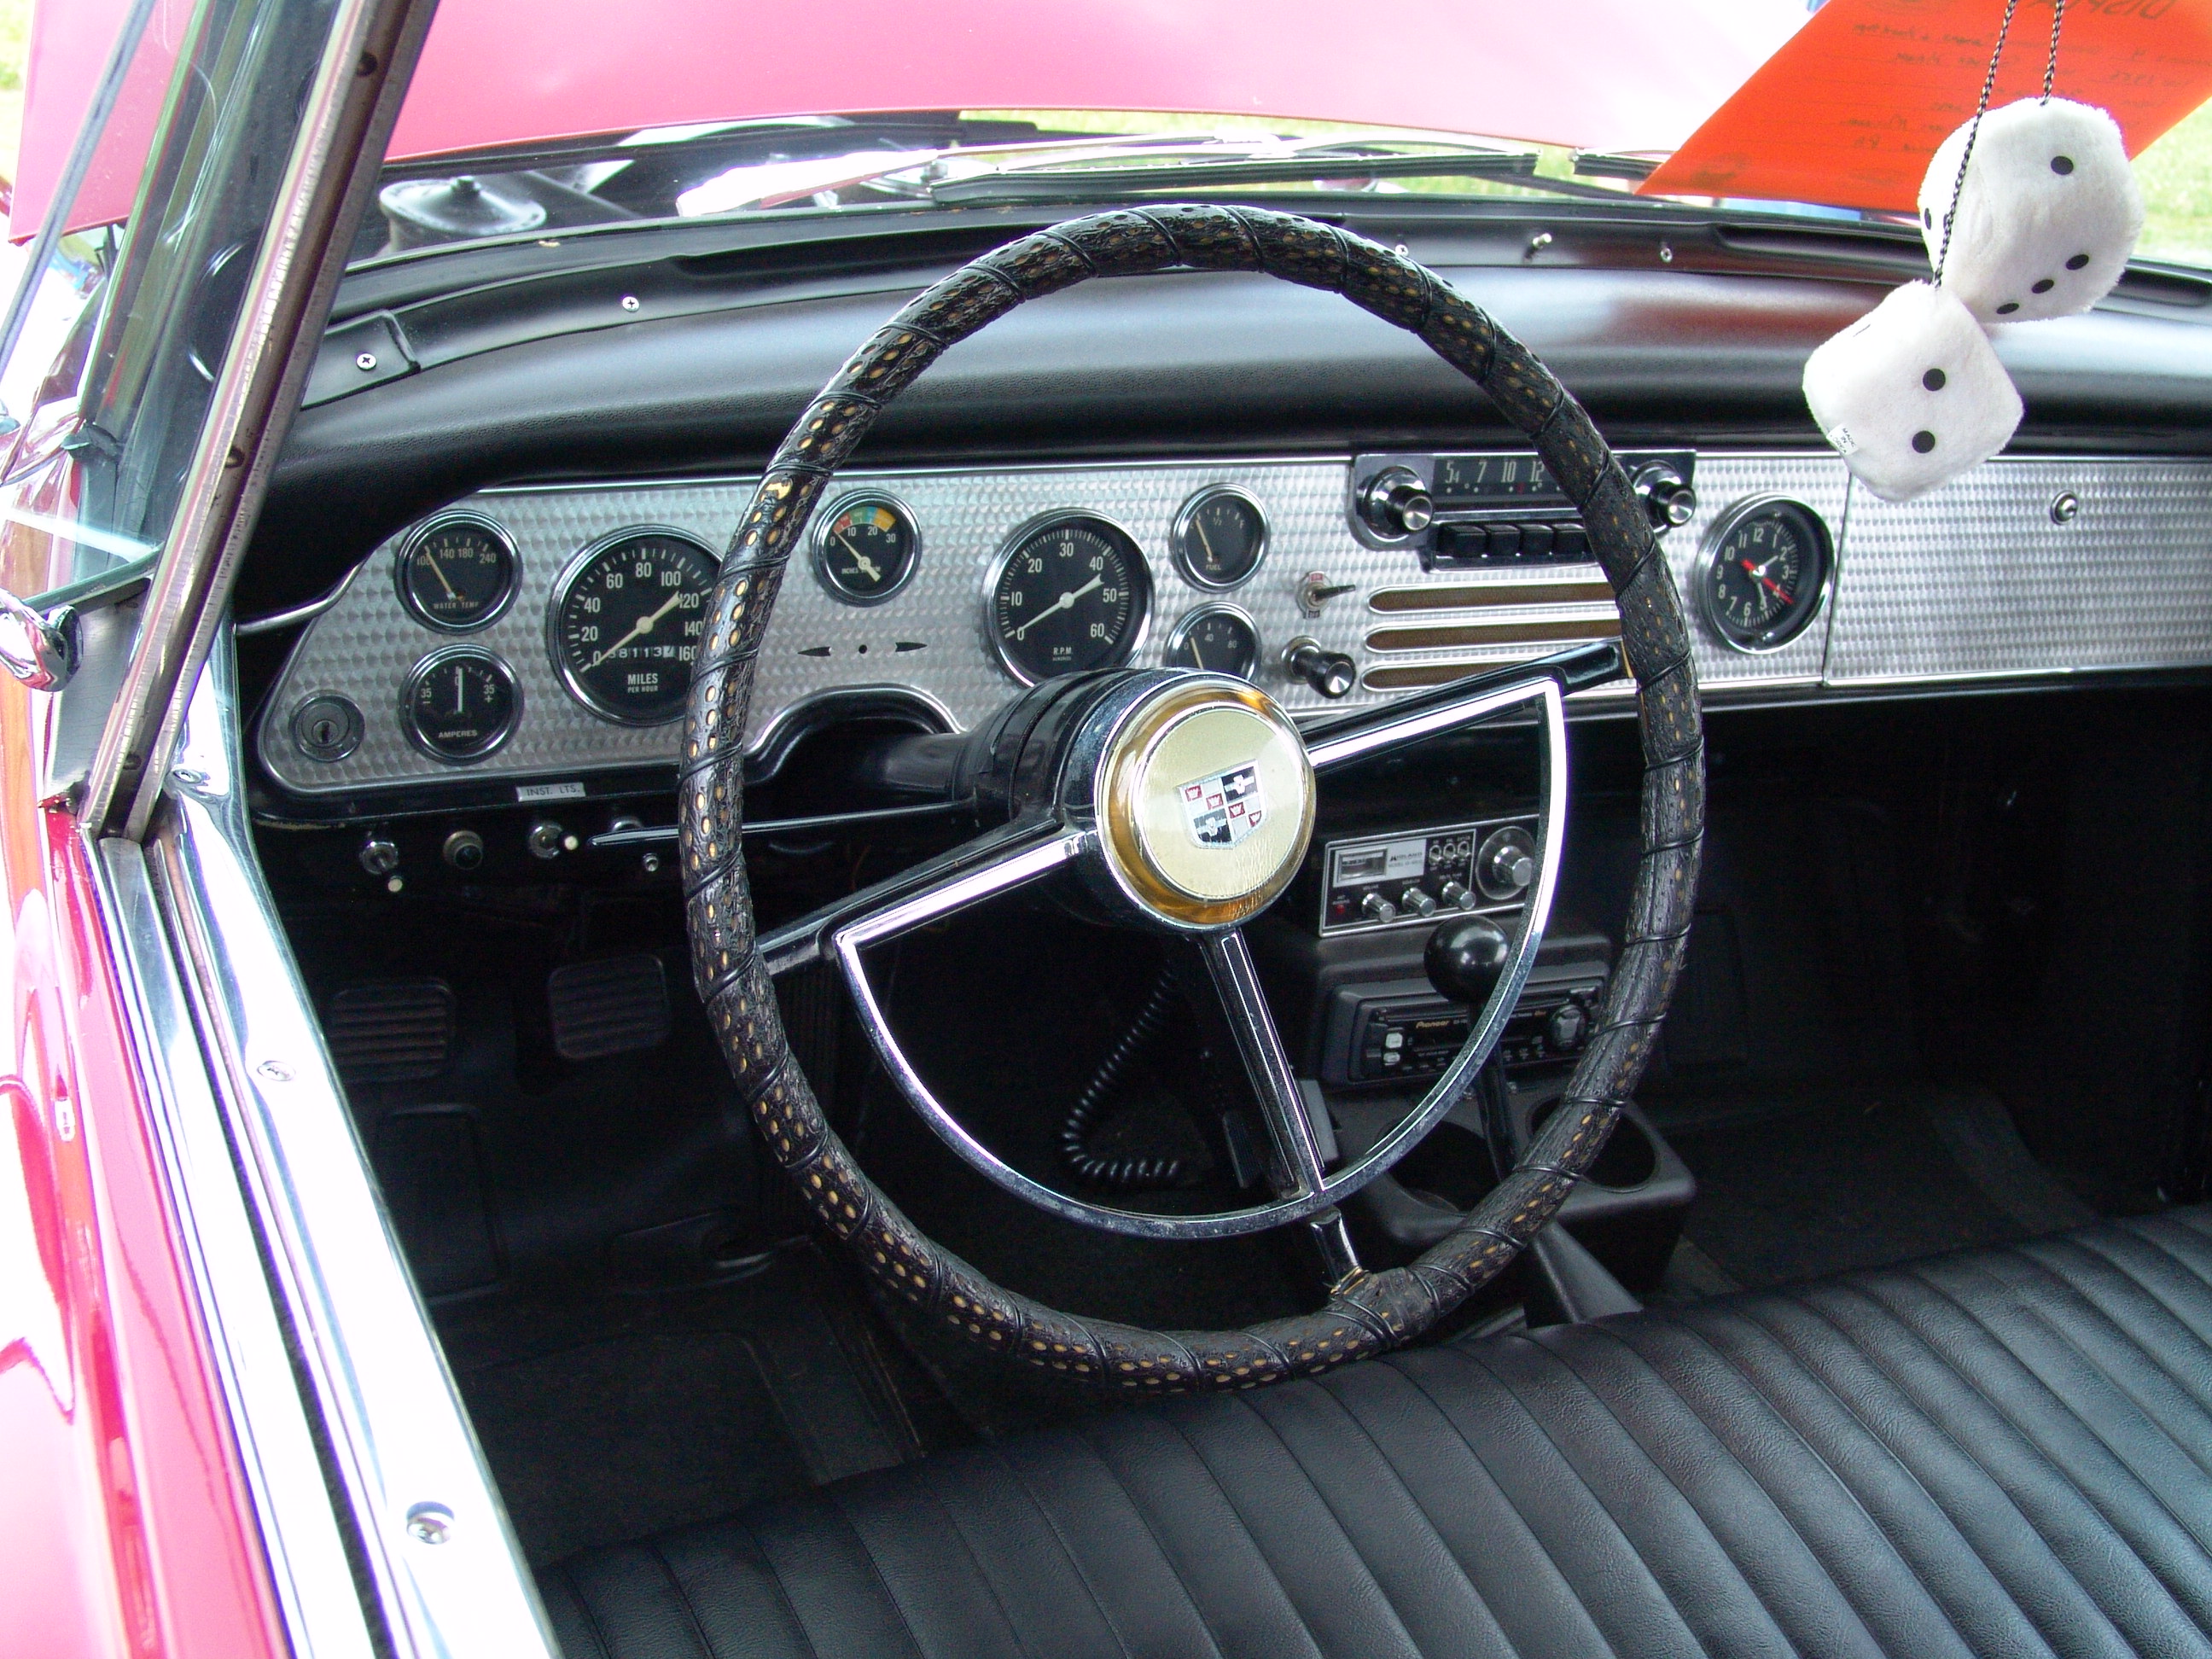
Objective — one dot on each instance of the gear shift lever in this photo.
(1466, 957)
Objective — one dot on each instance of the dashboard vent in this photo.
(613, 1007)
(390, 1031)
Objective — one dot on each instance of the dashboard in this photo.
(534, 643)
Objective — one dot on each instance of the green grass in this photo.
(2176, 173)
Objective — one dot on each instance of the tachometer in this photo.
(1068, 593)
(626, 621)
(1764, 572)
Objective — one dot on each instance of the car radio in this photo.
(1408, 879)
(1499, 507)
(1377, 1032)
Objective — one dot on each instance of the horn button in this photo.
(1202, 798)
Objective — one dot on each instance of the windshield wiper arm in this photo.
(1112, 183)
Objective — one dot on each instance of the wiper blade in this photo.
(1116, 183)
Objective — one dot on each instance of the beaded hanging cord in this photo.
(1981, 108)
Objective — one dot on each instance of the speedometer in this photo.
(1068, 593)
(626, 621)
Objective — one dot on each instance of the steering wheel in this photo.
(1085, 774)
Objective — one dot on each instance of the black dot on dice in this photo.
(2077, 262)
(1933, 380)
(1924, 441)
(2061, 165)
(1928, 217)
(2008, 307)
(2044, 285)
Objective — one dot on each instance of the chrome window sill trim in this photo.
(434, 1537)
(299, 1538)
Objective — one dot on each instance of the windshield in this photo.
(971, 158)
(822, 163)
(530, 117)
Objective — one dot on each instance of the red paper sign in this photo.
(1850, 110)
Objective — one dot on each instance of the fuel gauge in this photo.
(1218, 638)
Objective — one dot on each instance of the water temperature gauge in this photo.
(459, 704)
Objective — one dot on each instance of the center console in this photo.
(1364, 1023)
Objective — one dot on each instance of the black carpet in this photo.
(611, 1417)
(1857, 1178)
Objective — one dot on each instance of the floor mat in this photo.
(1857, 1178)
(613, 1417)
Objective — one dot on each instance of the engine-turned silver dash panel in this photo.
(1976, 579)
(2029, 567)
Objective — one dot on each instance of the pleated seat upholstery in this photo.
(2003, 1452)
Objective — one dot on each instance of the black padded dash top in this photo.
(2004, 1452)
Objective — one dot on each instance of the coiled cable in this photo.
(1124, 1173)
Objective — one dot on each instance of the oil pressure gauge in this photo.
(1218, 638)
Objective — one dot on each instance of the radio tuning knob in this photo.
(1376, 907)
(1567, 1026)
(1456, 895)
(1329, 672)
(1666, 494)
(1507, 863)
(1395, 503)
(1418, 901)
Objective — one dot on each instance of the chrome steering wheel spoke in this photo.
(1260, 1046)
(995, 862)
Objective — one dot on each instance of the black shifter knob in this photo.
(1466, 958)
(1329, 672)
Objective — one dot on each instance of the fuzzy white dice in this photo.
(1912, 394)
(2048, 215)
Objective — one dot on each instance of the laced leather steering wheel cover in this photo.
(1371, 1312)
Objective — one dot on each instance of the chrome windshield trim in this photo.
(433, 1538)
(345, 114)
(299, 1530)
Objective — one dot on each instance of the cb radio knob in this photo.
(1395, 503)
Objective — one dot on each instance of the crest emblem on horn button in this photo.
(1224, 808)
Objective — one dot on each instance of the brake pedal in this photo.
(616, 1007)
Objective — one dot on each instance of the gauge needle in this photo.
(1758, 571)
(641, 626)
(460, 692)
(439, 571)
(1198, 523)
(867, 565)
(1066, 601)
